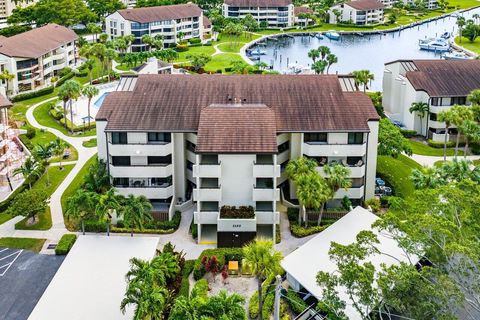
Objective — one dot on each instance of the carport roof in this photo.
(90, 284)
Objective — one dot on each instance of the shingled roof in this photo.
(299, 103)
(4, 102)
(365, 4)
(37, 42)
(258, 3)
(151, 14)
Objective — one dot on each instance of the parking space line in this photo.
(11, 263)
(11, 254)
(3, 250)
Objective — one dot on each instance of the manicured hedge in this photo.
(222, 254)
(300, 231)
(408, 133)
(95, 226)
(65, 244)
(144, 231)
(200, 289)
(62, 80)
(253, 307)
(296, 303)
(34, 94)
(185, 284)
(440, 145)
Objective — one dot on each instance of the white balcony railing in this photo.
(150, 193)
(266, 171)
(140, 149)
(207, 194)
(260, 194)
(240, 225)
(355, 172)
(207, 170)
(352, 193)
(266, 217)
(141, 171)
(205, 217)
(334, 150)
(436, 124)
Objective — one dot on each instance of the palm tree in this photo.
(158, 42)
(474, 97)
(425, 178)
(107, 202)
(448, 117)
(337, 177)
(136, 212)
(461, 23)
(166, 263)
(363, 77)
(147, 40)
(312, 193)
(7, 77)
(90, 64)
(30, 168)
(264, 261)
(90, 92)
(422, 109)
(319, 66)
(324, 51)
(471, 131)
(58, 146)
(69, 91)
(43, 153)
(110, 55)
(98, 50)
(331, 59)
(225, 306)
(314, 54)
(461, 114)
(81, 205)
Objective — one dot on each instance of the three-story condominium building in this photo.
(440, 83)
(225, 140)
(7, 6)
(359, 12)
(276, 13)
(35, 56)
(173, 23)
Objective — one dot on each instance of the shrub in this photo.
(200, 289)
(373, 203)
(232, 212)
(188, 268)
(437, 144)
(95, 226)
(34, 94)
(184, 288)
(64, 71)
(475, 149)
(300, 232)
(228, 69)
(120, 224)
(292, 214)
(65, 244)
(297, 305)
(195, 40)
(253, 306)
(64, 78)
(194, 230)
(30, 132)
(267, 307)
(181, 47)
(346, 203)
(408, 133)
(222, 254)
(56, 114)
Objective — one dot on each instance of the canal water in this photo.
(355, 52)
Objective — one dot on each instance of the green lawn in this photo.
(182, 56)
(42, 115)
(425, 150)
(222, 61)
(397, 171)
(74, 186)
(228, 47)
(90, 143)
(4, 217)
(45, 137)
(467, 44)
(56, 176)
(23, 243)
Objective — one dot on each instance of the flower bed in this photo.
(232, 212)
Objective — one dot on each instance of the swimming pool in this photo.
(99, 101)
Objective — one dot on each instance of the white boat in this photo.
(456, 55)
(332, 35)
(437, 45)
(258, 52)
(447, 35)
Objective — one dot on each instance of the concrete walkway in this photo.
(429, 161)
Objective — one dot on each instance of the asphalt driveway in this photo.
(24, 276)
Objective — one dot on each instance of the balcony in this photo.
(355, 172)
(140, 149)
(209, 167)
(266, 217)
(150, 193)
(334, 150)
(207, 194)
(352, 193)
(262, 194)
(436, 124)
(205, 217)
(266, 170)
(239, 225)
(141, 171)
(438, 109)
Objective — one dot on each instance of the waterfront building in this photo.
(359, 12)
(35, 56)
(299, 17)
(7, 6)
(440, 83)
(225, 140)
(173, 23)
(129, 3)
(276, 13)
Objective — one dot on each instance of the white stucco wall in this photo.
(237, 179)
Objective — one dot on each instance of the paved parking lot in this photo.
(24, 276)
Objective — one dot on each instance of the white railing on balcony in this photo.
(352, 193)
(150, 193)
(267, 217)
(140, 149)
(207, 170)
(240, 225)
(141, 171)
(260, 194)
(266, 171)
(436, 124)
(355, 172)
(205, 217)
(334, 150)
(207, 194)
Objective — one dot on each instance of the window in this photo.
(284, 147)
(433, 116)
(355, 138)
(189, 165)
(159, 137)
(357, 182)
(459, 100)
(190, 146)
(315, 137)
(161, 182)
(120, 182)
(119, 138)
(122, 161)
(436, 101)
(166, 160)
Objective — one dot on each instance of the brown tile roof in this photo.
(365, 4)
(37, 42)
(301, 102)
(206, 22)
(298, 10)
(4, 102)
(442, 78)
(237, 128)
(151, 14)
(258, 3)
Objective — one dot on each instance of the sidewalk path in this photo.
(429, 161)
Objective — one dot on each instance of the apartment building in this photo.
(35, 56)
(440, 83)
(7, 6)
(359, 12)
(429, 4)
(173, 23)
(276, 13)
(129, 3)
(225, 140)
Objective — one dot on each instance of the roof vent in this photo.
(244, 100)
(229, 98)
